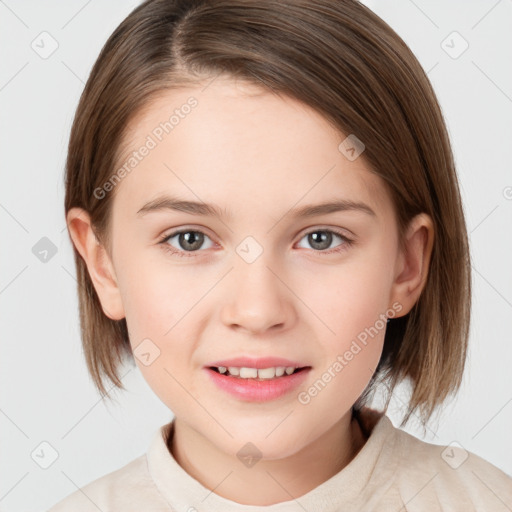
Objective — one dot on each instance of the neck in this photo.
(269, 481)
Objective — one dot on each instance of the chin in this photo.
(264, 442)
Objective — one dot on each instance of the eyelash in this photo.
(188, 254)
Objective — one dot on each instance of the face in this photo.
(258, 279)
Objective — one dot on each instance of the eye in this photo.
(321, 240)
(187, 241)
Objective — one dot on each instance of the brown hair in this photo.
(341, 59)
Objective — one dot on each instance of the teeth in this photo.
(254, 373)
(248, 373)
(280, 371)
(266, 373)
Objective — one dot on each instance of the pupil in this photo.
(193, 238)
(321, 240)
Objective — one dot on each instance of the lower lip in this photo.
(252, 390)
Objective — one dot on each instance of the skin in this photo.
(258, 155)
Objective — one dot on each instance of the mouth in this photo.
(258, 374)
(264, 384)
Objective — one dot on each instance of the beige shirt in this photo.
(394, 471)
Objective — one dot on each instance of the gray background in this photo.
(46, 393)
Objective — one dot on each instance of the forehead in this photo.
(233, 143)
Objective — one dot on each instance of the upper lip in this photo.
(256, 362)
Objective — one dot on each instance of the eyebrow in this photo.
(163, 203)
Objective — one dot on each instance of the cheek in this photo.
(159, 307)
(351, 297)
(156, 295)
(351, 354)
(161, 304)
(352, 301)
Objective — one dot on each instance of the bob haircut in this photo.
(345, 62)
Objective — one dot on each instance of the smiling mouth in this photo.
(257, 374)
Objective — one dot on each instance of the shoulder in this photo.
(127, 488)
(450, 475)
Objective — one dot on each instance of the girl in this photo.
(266, 218)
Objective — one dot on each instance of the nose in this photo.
(258, 299)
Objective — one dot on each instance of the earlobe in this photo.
(413, 262)
(99, 265)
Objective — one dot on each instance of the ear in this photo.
(99, 265)
(411, 270)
